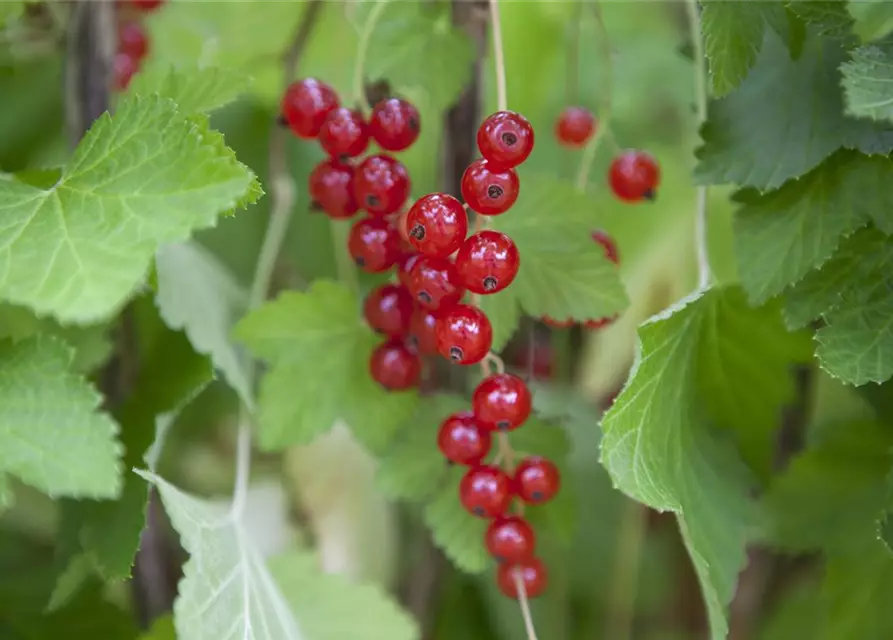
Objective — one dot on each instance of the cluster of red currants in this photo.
(133, 42)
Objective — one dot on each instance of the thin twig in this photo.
(359, 87)
(525, 605)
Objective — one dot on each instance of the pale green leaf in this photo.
(194, 90)
(9, 10)
(162, 629)
(856, 591)
(873, 18)
(145, 176)
(868, 82)
(458, 533)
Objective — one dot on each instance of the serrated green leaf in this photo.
(319, 348)
(458, 533)
(751, 140)
(51, 435)
(867, 80)
(140, 178)
(197, 90)
(829, 17)
(856, 592)
(563, 273)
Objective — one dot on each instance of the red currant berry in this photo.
(510, 539)
(501, 401)
(608, 244)
(374, 244)
(434, 284)
(306, 104)
(124, 68)
(600, 323)
(505, 139)
(634, 176)
(388, 309)
(422, 332)
(381, 185)
(331, 187)
(487, 190)
(395, 124)
(536, 479)
(460, 440)
(146, 5)
(436, 224)
(343, 133)
(558, 324)
(464, 334)
(132, 40)
(487, 262)
(395, 367)
(404, 266)
(574, 127)
(533, 576)
(485, 491)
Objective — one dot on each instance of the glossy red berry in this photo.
(574, 127)
(422, 336)
(394, 366)
(344, 133)
(608, 244)
(485, 491)
(488, 190)
(146, 5)
(404, 267)
(464, 334)
(434, 284)
(124, 68)
(487, 262)
(306, 104)
(634, 176)
(395, 124)
(461, 441)
(505, 139)
(437, 224)
(533, 576)
(374, 244)
(331, 187)
(388, 309)
(132, 40)
(536, 480)
(381, 185)
(510, 539)
(600, 323)
(558, 324)
(501, 401)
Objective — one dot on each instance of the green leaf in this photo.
(873, 18)
(866, 82)
(140, 178)
(563, 273)
(856, 592)
(751, 140)
(162, 629)
(51, 435)
(829, 17)
(319, 349)
(10, 10)
(458, 533)
(198, 90)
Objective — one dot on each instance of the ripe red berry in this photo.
(574, 127)
(395, 124)
(388, 309)
(501, 401)
(395, 367)
(608, 244)
(132, 40)
(306, 104)
(485, 491)
(600, 323)
(374, 244)
(381, 185)
(434, 284)
(558, 324)
(436, 224)
(510, 539)
(487, 262)
(460, 439)
(422, 336)
(488, 190)
(343, 133)
(634, 176)
(533, 576)
(331, 187)
(146, 5)
(404, 266)
(124, 68)
(464, 334)
(505, 139)
(536, 479)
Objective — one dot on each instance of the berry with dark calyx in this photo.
(343, 133)
(461, 441)
(434, 284)
(634, 176)
(124, 67)
(608, 244)
(485, 491)
(600, 323)
(331, 187)
(388, 309)
(501, 402)
(436, 224)
(381, 185)
(404, 266)
(422, 336)
(395, 124)
(306, 104)
(532, 573)
(464, 334)
(488, 190)
(575, 127)
(146, 5)
(132, 40)
(374, 244)
(487, 262)
(558, 324)
(395, 367)
(505, 139)
(510, 539)
(536, 480)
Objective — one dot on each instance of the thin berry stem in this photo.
(525, 605)
(359, 88)
(499, 55)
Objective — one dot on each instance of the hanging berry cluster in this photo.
(133, 42)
